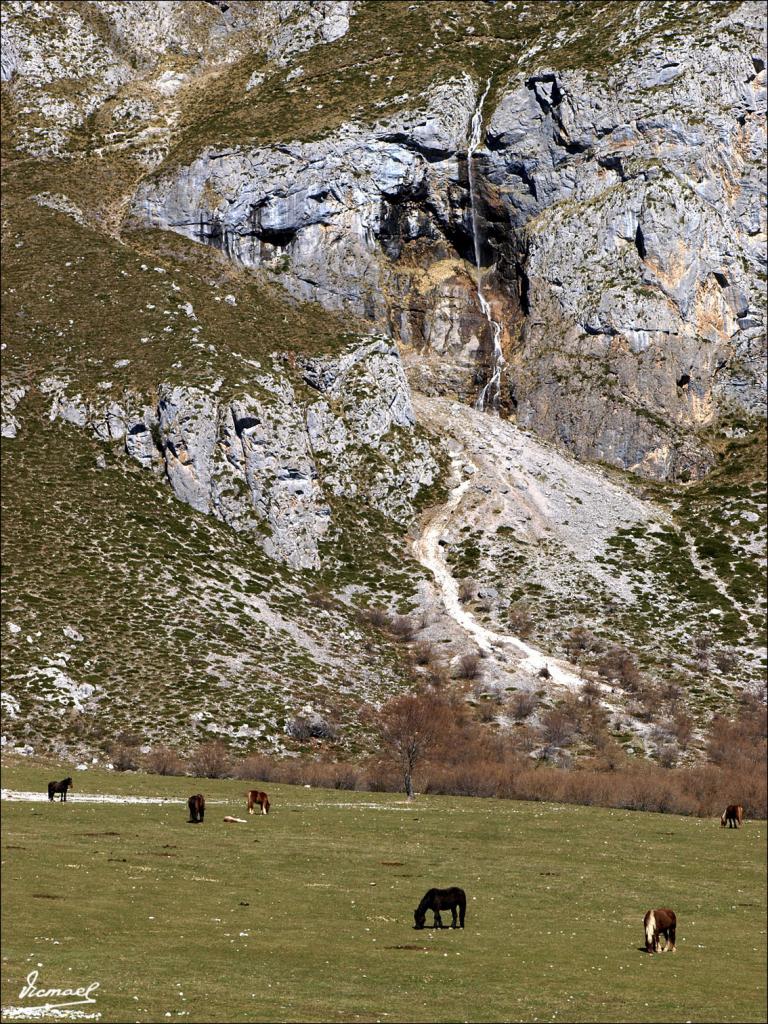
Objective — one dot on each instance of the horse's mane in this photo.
(425, 901)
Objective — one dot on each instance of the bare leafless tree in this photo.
(411, 727)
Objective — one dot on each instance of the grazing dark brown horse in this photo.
(732, 816)
(196, 806)
(257, 796)
(60, 787)
(441, 899)
(657, 923)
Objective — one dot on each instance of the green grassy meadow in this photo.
(306, 915)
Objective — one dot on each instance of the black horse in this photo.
(441, 899)
(59, 787)
(196, 806)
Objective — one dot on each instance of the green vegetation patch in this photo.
(171, 918)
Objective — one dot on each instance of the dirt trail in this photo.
(428, 550)
(29, 796)
(505, 478)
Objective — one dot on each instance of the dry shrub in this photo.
(667, 755)
(520, 619)
(702, 649)
(617, 663)
(257, 767)
(437, 675)
(377, 617)
(321, 597)
(739, 741)
(402, 627)
(487, 705)
(467, 590)
(124, 758)
(581, 641)
(523, 704)
(593, 723)
(468, 666)
(211, 760)
(558, 727)
(682, 729)
(163, 761)
(524, 739)
(423, 653)
(591, 694)
(726, 661)
(671, 694)
(464, 757)
(303, 728)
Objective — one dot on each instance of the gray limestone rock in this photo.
(254, 459)
(621, 215)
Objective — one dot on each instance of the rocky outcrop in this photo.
(621, 213)
(65, 62)
(11, 396)
(267, 462)
(343, 220)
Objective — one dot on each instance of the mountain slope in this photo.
(253, 273)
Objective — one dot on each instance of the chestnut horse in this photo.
(59, 787)
(441, 899)
(657, 923)
(196, 806)
(257, 796)
(732, 816)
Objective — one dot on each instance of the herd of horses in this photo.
(658, 924)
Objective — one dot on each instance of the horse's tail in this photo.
(723, 817)
(650, 928)
(51, 790)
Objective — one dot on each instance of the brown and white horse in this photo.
(657, 923)
(257, 796)
(732, 816)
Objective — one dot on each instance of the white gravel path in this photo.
(28, 796)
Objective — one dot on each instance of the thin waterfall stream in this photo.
(489, 396)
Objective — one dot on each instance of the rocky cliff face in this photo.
(266, 462)
(621, 215)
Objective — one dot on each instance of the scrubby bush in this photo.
(402, 627)
(558, 727)
(520, 619)
(211, 760)
(163, 761)
(581, 641)
(124, 758)
(303, 728)
(523, 703)
(377, 617)
(468, 666)
(617, 663)
(423, 653)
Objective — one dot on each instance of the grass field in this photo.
(306, 915)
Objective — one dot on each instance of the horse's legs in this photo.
(438, 919)
(453, 917)
(671, 939)
(250, 806)
(264, 807)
